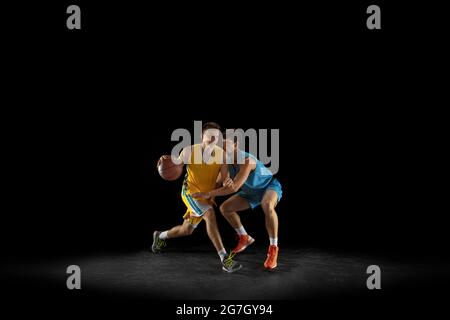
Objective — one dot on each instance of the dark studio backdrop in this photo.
(348, 183)
(359, 150)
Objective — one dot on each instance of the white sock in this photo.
(222, 253)
(273, 242)
(241, 231)
(163, 235)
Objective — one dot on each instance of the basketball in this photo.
(169, 170)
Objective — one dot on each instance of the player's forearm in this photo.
(223, 191)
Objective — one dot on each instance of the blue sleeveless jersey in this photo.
(258, 179)
(258, 182)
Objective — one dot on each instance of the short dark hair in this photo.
(235, 137)
(210, 125)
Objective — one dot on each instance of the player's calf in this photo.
(187, 230)
(271, 217)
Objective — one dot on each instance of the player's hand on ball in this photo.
(203, 195)
(161, 160)
(228, 183)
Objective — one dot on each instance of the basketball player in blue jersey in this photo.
(255, 185)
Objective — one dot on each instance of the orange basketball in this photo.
(169, 170)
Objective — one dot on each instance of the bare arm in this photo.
(223, 175)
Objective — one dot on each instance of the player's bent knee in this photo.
(188, 230)
(268, 207)
(224, 210)
(208, 215)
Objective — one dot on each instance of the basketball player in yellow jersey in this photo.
(204, 163)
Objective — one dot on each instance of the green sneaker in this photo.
(229, 265)
(158, 244)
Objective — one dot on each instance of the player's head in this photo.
(210, 133)
(230, 145)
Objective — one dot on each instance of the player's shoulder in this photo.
(194, 148)
(249, 161)
(245, 158)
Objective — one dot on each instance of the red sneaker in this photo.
(272, 256)
(244, 242)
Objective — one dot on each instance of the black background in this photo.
(92, 111)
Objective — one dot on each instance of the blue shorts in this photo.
(255, 197)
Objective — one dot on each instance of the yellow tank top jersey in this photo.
(201, 176)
